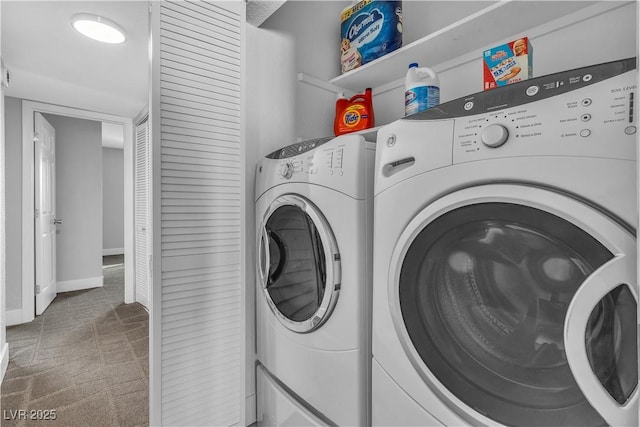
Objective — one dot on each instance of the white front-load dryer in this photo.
(505, 277)
(314, 203)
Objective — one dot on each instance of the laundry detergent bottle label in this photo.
(420, 98)
(352, 118)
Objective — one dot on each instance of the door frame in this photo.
(28, 234)
(142, 116)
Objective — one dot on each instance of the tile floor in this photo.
(86, 358)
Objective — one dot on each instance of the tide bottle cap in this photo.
(413, 65)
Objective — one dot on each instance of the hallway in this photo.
(86, 358)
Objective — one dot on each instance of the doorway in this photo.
(29, 109)
(88, 350)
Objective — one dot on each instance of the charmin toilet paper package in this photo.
(369, 30)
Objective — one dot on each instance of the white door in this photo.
(45, 212)
(142, 212)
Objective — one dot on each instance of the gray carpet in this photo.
(85, 358)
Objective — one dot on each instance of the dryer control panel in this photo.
(585, 112)
(336, 162)
(325, 160)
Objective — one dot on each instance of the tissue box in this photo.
(508, 63)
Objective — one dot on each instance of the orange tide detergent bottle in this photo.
(355, 113)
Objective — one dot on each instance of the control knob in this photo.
(494, 135)
(287, 170)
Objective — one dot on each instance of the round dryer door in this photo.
(299, 263)
(506, 308)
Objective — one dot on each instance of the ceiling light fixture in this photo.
(98, 28)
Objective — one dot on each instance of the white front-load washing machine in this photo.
(314, 203)
(505, 288)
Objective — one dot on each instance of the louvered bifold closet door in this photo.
(201, 327)
(142, 199)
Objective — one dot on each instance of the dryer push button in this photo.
(494, 135)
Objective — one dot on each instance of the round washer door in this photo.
(298, 263)
(483, 291)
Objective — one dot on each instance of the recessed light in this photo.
(98, 28)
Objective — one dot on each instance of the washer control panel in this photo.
(527, 91)
(597, 117)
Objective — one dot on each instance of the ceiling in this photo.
(259, 10)
(50, 62)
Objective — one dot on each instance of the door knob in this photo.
(57, 221)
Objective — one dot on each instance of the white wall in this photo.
(305, 37)
(112, 201)
(266, 118)
(4, 348)
(13, 174)
(78, 198)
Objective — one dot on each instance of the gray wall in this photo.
(113, 198)
(78, 197)
(13, 200)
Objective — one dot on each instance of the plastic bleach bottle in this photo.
(422, 89)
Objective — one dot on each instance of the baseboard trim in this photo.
(4, 360)
(14, 317)
(80, 284)
(250, 410)
(144, 301)
(113, 251)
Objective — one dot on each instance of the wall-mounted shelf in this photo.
(471, 34)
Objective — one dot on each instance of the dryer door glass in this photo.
(301, 273)
(296, 279)
(484, 290)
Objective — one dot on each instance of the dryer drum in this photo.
(484, 291)
(296, 278)
(277, 257)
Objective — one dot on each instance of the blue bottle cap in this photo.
(413, 64)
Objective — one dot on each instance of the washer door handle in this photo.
(263, 252)
(618, 271)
